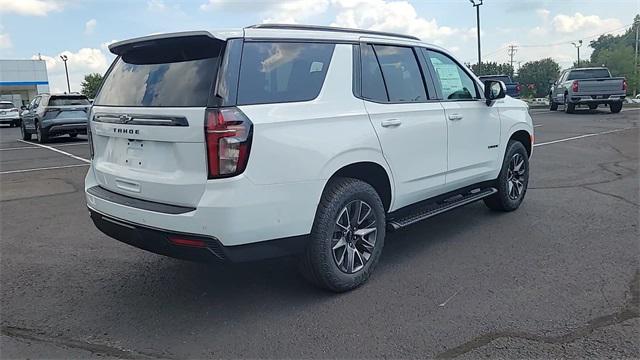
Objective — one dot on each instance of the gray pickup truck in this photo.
(587, 86)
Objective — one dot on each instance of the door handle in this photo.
(454, 117)
(391, 123)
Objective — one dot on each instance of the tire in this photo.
(569, 108)
(506, 198)
(330, 260)
(553, 106)
(41, 135)
(593, 106)
(615, 107)
(25, 135)
(73, 135)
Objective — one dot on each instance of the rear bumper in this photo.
(7, 120)
(61, 129)
(595, 99)
(200, 248)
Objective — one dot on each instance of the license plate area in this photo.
(134, 153)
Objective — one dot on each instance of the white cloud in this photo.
(571, 24)
(5, 39)
(543, 13)
(80, 63)
(395, 16)
(90, 26)
(30, 7)
(281, 11)
(156, 5)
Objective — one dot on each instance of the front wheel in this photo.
(553, 106)
(347, 236)
(569, 107)
(615, 107)
(513, 179)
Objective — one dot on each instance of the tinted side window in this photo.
(272, 72)
(372, 82)
(454, 82)
(401, 73)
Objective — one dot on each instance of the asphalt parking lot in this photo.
(560, 277)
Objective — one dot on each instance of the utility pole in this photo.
(513, 49)
(577, 45)
(635, 88)
(476, 4)
(65, 58)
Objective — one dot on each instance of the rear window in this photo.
(168, 73)
(6, 106)
(272, 72)
(68, 100)
(588, 74)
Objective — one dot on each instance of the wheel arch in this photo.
(524, 137)
(373, 174)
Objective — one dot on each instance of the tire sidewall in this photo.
(322, 234)
(502, 184)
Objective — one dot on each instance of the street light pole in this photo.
(476, 4)
(577, 45)
(65, 58)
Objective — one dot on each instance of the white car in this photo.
(9, 114)
(278, 140)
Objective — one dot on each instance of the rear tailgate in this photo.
(147, 121)
(600, 86)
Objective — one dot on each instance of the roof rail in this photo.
(328, 28)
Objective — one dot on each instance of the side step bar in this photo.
(419, 213)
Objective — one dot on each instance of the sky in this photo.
(83, 29)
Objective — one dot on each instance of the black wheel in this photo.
(41, 135)
(25, 135)
(569, 108)
(11, 124)
(73, 136)
(593, 106)
(553, 106)
(615, 107)
(513, 179)
(347, 236)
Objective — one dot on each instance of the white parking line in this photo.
(581, 136)
(58, 151)
(37, 147)
(535, 126)
(42, 168)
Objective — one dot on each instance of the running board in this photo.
(424, 212)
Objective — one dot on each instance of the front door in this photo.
(473, 127)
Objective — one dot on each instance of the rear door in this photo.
(411, 127)
(473, 128)
(147, 121)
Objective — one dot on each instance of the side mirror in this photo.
(23, 107)
(494, 90)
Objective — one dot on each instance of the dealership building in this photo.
(22, 80)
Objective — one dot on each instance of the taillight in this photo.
(574, 86)
(228, 134)
(518, 87)
(624, 85)
(90, 139)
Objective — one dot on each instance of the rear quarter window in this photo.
(273, 72)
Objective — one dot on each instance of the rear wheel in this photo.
(347, 236)
(569, 108)
(41, 135)
(25, 135)
(616, 107)
(553, 106)
(593, 106)
(73, 135)
(513, 179)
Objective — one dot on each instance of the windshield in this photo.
(5, 106)
(68, 100)
(588, 74)
(165, 75)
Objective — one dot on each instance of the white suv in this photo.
(276, 140)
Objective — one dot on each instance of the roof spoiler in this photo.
(121, 47)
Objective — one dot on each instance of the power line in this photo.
(513, 49)
(570, 41)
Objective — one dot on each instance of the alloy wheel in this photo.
(354, 236)
(516, 176)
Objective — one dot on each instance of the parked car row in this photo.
(9, 114)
